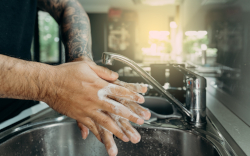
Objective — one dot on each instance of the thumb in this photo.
(104, 72)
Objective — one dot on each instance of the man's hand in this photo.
(106, 137)
(77, 88)
(101, 133)
(74, 92)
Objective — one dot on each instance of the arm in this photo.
(67, 89)
(74, 24)
(21, 79)
(76, 37)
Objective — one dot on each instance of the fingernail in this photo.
(112, 151)
(139, 138)
(125, 138)
(146, 115)
(140, 121)
(136, 139)
(114, 75)
(141, 99)
(83, 135)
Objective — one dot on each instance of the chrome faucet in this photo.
(195, 109)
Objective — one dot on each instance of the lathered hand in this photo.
(106, 136)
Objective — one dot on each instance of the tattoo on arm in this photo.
(75, 26)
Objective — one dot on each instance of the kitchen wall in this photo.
(149, 18)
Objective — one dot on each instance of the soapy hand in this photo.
(84, 91)
(74, 92)
(105, 136)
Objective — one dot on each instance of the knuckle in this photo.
(91, 127)
(98, 84)
(136, 97)
(104, 121)
(105, 70)
(118, 132)
(122, 101)
(133, 87)
(132, 118)
(110, 106)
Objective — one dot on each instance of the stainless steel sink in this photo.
(64, 139)
(166, 137)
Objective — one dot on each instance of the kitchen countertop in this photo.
(238, 130)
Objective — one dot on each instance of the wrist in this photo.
(82, 58)
(44, 81)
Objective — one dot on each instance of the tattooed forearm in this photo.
(74, 24)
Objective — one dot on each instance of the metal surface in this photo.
(195, 96)
(164, 137)
(65, 139)
(197, 93)
(232, 103)
(59, 135)
(160, 108)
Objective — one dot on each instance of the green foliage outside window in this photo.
(48, 37)
(165, 44)
(192, 44)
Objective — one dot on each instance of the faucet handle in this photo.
(199, 81)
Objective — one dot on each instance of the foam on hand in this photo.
(109, 90)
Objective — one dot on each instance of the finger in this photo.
(106, 122)
(89, 123)
(118, 91)
(134, 107)
(104, 73)
(124, 124)
(84, 130)
(108, 141)
(136, 87)
(131, 133)
(114, 107)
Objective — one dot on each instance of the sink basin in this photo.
(160, 108)
(50, 134)
(169, 142)
(158, 105)
(64, 139)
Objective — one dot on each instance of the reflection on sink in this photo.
(64, 139)
(160, 108)
(169, 142)
(166, 137)
(158, 105)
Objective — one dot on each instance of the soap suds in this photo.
(126, 103)
(104, 92)
(105, 129)
(116, 90)
(113, 149)
(87, 132)
(132, 86)
(117, 120)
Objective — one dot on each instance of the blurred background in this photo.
(211, 37)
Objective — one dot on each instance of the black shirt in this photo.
(17, 20)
